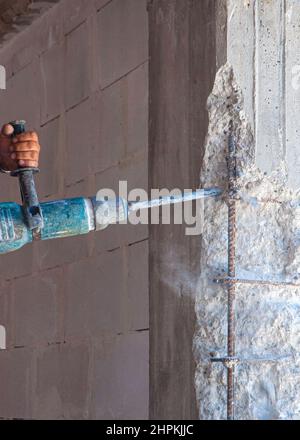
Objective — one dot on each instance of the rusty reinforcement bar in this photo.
(231, 274)
(272, 283)
(231, 361)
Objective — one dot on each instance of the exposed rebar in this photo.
(228, 362)
(231, 361)
(231, 273)
(272, 283)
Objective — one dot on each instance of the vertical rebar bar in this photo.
(231, 272)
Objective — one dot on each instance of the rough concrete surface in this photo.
(267, 318)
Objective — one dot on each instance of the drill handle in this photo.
(31, 207)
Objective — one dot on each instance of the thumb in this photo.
(7, 130)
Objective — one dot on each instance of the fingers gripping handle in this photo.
(31, 207)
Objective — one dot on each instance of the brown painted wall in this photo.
(76, 310)
(182, 69)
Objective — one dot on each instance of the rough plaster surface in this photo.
(268, 247)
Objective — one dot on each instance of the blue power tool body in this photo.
(20, 225)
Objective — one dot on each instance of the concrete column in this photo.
(258, 92)
(182, 67)
(263, 37)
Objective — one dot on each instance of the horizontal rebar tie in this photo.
(230, 362)
(232, 280)
(239, 198)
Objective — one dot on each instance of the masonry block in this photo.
(13, 190)
(123, 38)
(52, 71)
(7, 63)
(120, 381)
(137, 107)
(6, 188)
(101, 3)
(110, 148)
(62, 383)
(16, 384)
(81, 140)
(5, 104)
(21, 98)
(36, 313)
(94, 296)
(138, 285)
(6, 318)
(49, 28)
(77, 71)
(47, 181)
(19, 263)
(109, 239)
(75, 13)
(123, 110)
(52, 253)
(44, 33)
(83, 188)
(24, 53)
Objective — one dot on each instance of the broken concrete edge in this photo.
(268, 218)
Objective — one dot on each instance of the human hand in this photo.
(19, 151)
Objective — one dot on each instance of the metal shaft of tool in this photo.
(231, 274)
(171, 200)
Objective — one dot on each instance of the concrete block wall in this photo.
(76, 310)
